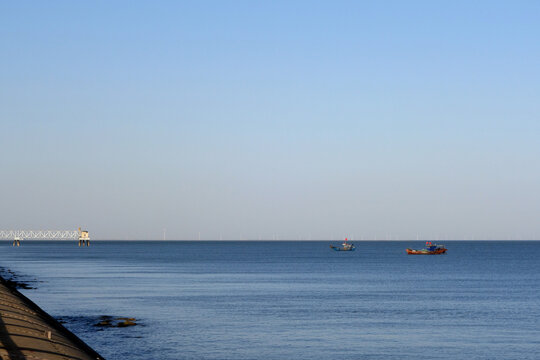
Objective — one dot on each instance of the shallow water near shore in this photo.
(290, 300)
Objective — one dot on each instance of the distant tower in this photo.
(84, 238)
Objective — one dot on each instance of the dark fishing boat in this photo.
(431, 249)
(344, 247)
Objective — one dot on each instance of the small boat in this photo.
(344, 247)
(431, 249)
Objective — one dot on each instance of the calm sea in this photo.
(290, 300)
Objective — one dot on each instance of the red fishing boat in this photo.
(431, 249)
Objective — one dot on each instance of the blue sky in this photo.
(289, 120)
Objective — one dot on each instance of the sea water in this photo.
(290, 300)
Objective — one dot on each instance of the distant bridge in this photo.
(18, 235)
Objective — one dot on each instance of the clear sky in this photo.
(276, 119)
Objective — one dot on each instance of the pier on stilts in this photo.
(18, 235)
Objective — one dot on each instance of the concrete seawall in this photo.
(28, 332)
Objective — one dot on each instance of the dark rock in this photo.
(120, 322)
(125, 323)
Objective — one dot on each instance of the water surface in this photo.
(290, 300)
